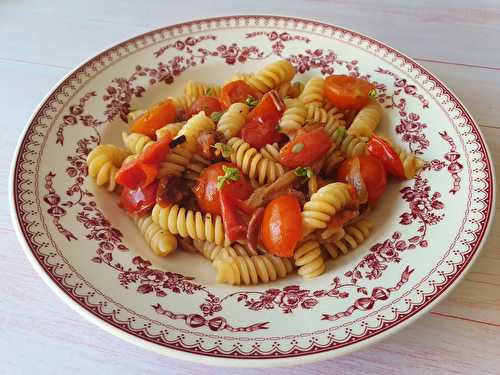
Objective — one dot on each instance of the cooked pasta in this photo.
(309, 260)
(170, 129)
(272, 76)
(290, 90)
(195, 89)
(253, 163)
(103, 163)
(136, 143)
(161, 241)
(313, 92)
(249, 270)
(232, 181)
(367, 120)
(233, 120)
(212, 252)
(189, 223)
(324, 204)
(193, 128)
(294, 117)
(354, 235)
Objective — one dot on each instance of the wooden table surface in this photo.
(41, 41)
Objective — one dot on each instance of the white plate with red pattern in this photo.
(428, 230)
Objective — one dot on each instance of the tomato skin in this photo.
(207, 194)
(260, 128)
(209, 104)
(372, 173)
(315, 144)
(237, 92)
(281, 227)
(139, 201)
(156, 117)
(346, 92)
(383, 151)
(143, 170)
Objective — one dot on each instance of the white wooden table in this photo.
(41, 41)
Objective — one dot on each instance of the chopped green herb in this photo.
(340, 133)
(251, 101)
(306, 172)
(230, 174)
(223, 149)
(216, 116)
(208, 91)
(372, 93)
(297, 148)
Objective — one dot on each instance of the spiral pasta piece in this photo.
(272, 76)
(312, 184)
(253, 163)
(332, 121)
(233, 120)
(189, 223)
(323, 204)
(103, 162)
(412, 164)
(241, 77)
(193, 128)
(161, 241)
(195, 89)
(272, 152)
(309, 260)
(183, 102)
(176, 162)
(171, 129)
(349, 145)
(367, 120)
(332, 160)
(195, 167)
(294, 117)
(136, 143)
(134, 115)
(313, 92)
(290, 90)
(354, 235)
(212, 251)
(251, 269)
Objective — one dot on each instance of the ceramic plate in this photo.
(428, 230)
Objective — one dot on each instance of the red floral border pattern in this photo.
(289, 297)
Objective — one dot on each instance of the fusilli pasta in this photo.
(178, 220)
(176, 162)
(367, 120)
(294, 116)
(253, 163)
(354, 235)
(170, 129)
(313, 92)
(212, 252)
(290, 90)
(309, 260)
(271, 152)
(161, 241)
(182, 102)
(193, 128)
(412, 164)
(233, 120)
(195, 89)
(251, 269)
(272, 76)
(103, 163)
(324, 204)
(136, 143)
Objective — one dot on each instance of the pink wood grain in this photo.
(457, 41)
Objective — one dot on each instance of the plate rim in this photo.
(203, 358)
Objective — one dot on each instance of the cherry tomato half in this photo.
(209, 104)
(372, 173)
(156, 117)
(305, 149)
(383, 151)
(281, 227)
(139, 201)
(207, 193)
(347, 92)
(237, 92)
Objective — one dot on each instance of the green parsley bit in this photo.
(340, 132)
(306, 172)
(230, 174)
(251, 101)
(225, 150)
(372, 93)
(216, 116)
(297, 148)
(208, 91)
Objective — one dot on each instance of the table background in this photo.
(41, 41)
